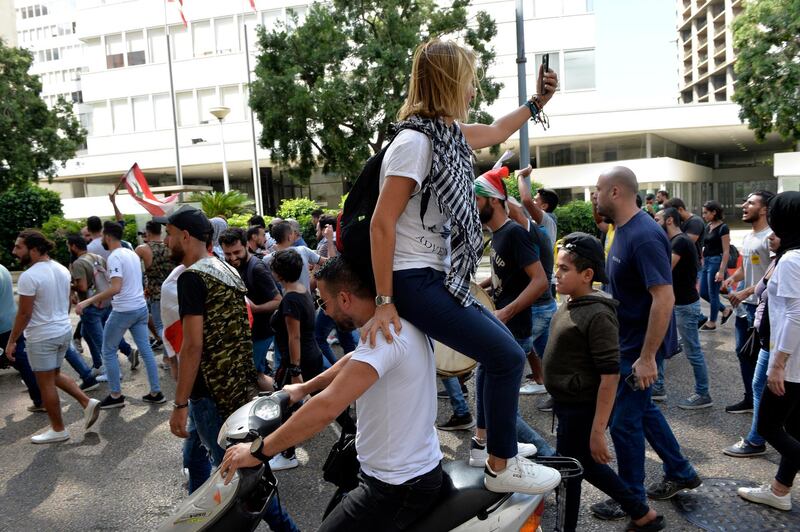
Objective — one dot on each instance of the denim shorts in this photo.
(47, 355)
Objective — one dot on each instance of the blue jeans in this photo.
(322, 328)
(260, 348)
(23, 367)
(116, 325)
(154, 306)
(457, 401)
(746, 367)
(540, 325)
(687, 318)
(526, 434)
(195, 457)
(203, 412)
(93, 321)
(76, 361)
(759, 383)
(635, 418)
(422, 299)
(709, 289)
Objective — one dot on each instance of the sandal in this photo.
(726, 317)
(654, 525)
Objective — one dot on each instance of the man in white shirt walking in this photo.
(43, 315)
(129, 313)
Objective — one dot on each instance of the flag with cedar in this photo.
(137, 187)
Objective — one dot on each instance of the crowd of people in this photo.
(595, 319)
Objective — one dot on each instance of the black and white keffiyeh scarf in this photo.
(451, 182)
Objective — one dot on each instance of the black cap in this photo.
(590, 248)
(190, 219)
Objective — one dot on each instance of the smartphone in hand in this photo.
(545, 68)
(633, 382)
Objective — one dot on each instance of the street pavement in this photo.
(125, 474)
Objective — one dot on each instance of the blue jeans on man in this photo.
(709, 288)
(636, 418)
(93, 321)
(687, 317)
(742, 325)
(154, 306)
(759, 383)
(541, 315)
(260, 348)
(22, 365)
(457, 401)
(322, 328)
(134, 321)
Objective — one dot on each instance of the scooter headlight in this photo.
(266, 409)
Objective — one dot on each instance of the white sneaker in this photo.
(101, 378)
(530, 387)
(521, 476)
(50, 436)
(90, 413)
(478, 453)
(96, 372)
(765, 495)
(280, 462)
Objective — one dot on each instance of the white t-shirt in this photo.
(549, 225)
(396, 439)
(124, 263)
(96, 247)
(417, 246)
(755, 259)
(48, 282)
(309, 256)
(784, 313)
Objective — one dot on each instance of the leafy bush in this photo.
(24, 207)
(239, 220)
(129, 231)
(512, 187)
(575, 216)
(297, 207)
(224, 204)
(341, 201)
(57, 229)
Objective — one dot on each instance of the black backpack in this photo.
(352, 224)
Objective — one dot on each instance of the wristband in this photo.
(295, 371)
(178, 406)
(533, 107)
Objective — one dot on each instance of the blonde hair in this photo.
(441, 73)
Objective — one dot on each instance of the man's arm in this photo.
(536, 286)
(189, 365)
(527, 200)
(146, 254)
(268, 306)
(24, 312)
(113, 289)
(606, 394)
(117, 214)
(675, 260)
(658, 322)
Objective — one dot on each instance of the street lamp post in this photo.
(220, 113)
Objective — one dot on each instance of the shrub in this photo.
(224, 204)
(297, 207)
(239, 220)
(57, 229)
(129, 231)
(24, 207)
(575, 216)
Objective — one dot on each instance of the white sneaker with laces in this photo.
(280, 462)
(521, 476)
(51, 436)
(90, 413)
(765, 495)
(478, 453)
(530, 387)
(102, 378)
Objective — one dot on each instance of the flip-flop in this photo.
(652, 526)
(726, 317)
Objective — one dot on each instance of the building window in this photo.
(181, 42)
(142, 113)
(37, 10)
(225, 35)
(579, 70)
(555, 64)
(24, 12)
(77, 97)
(296, 11)
(115, 58)
(162, 110)
(203, 40)
(206, 99)
(157, 45)
(135, 44)
(56, 55)
(187, 109)
(121, 116)
(232, 98)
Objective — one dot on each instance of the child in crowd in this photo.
(581, 368)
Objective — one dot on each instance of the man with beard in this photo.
(640, 278)
(43, 315)
(129, 313)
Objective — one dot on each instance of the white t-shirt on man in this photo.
(417, 246)
(784, 313)
(96, 247)
(124, 263)
(396, 439)
(308, 255)
(49, 284)
(755, 259)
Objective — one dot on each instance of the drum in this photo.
(451, 363)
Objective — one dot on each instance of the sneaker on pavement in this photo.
(608, 510)
(34, 408)
(696, 402)
(531, 387)
(765, 495)
(658, 394)
(89, 384)
(78, 346)
(455, 422)
(101, 378)
(702, 321)
(90, 413)
(50, 436)
(134, 358)
(742, 407)
(280, 462)
(156, 344)
(442, 394)
(96, 372)
(546, 405)
(666, 489)
(111, 402)
(478, 454)
(154, 398)
(745, 449)
(521, 476)
(659, 523)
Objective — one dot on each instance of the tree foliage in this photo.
(23, 207)
(768, 67)
(575, 216)
(327, 91)
(223, 203)
(32, 137)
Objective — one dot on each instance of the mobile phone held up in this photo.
(545, 68)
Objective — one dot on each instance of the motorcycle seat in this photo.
(462, 497)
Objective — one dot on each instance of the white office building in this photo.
(623, 95)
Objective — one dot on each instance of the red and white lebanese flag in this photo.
(136, 184)
(180, 10)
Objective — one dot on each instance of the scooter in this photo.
(464, 505)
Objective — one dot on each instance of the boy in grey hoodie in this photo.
(581, 368)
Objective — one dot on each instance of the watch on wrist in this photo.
(384, 300)
(255, 449)
(178, 406)
(295, 371)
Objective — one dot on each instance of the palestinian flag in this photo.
(136, 184)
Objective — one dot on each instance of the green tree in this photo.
(575, 216)
(327, 91)
(223, 203)
(23, 207)
(32, 137)
(767, 67)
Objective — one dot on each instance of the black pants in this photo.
(779, 424)
(574, 431)
(375, 505)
